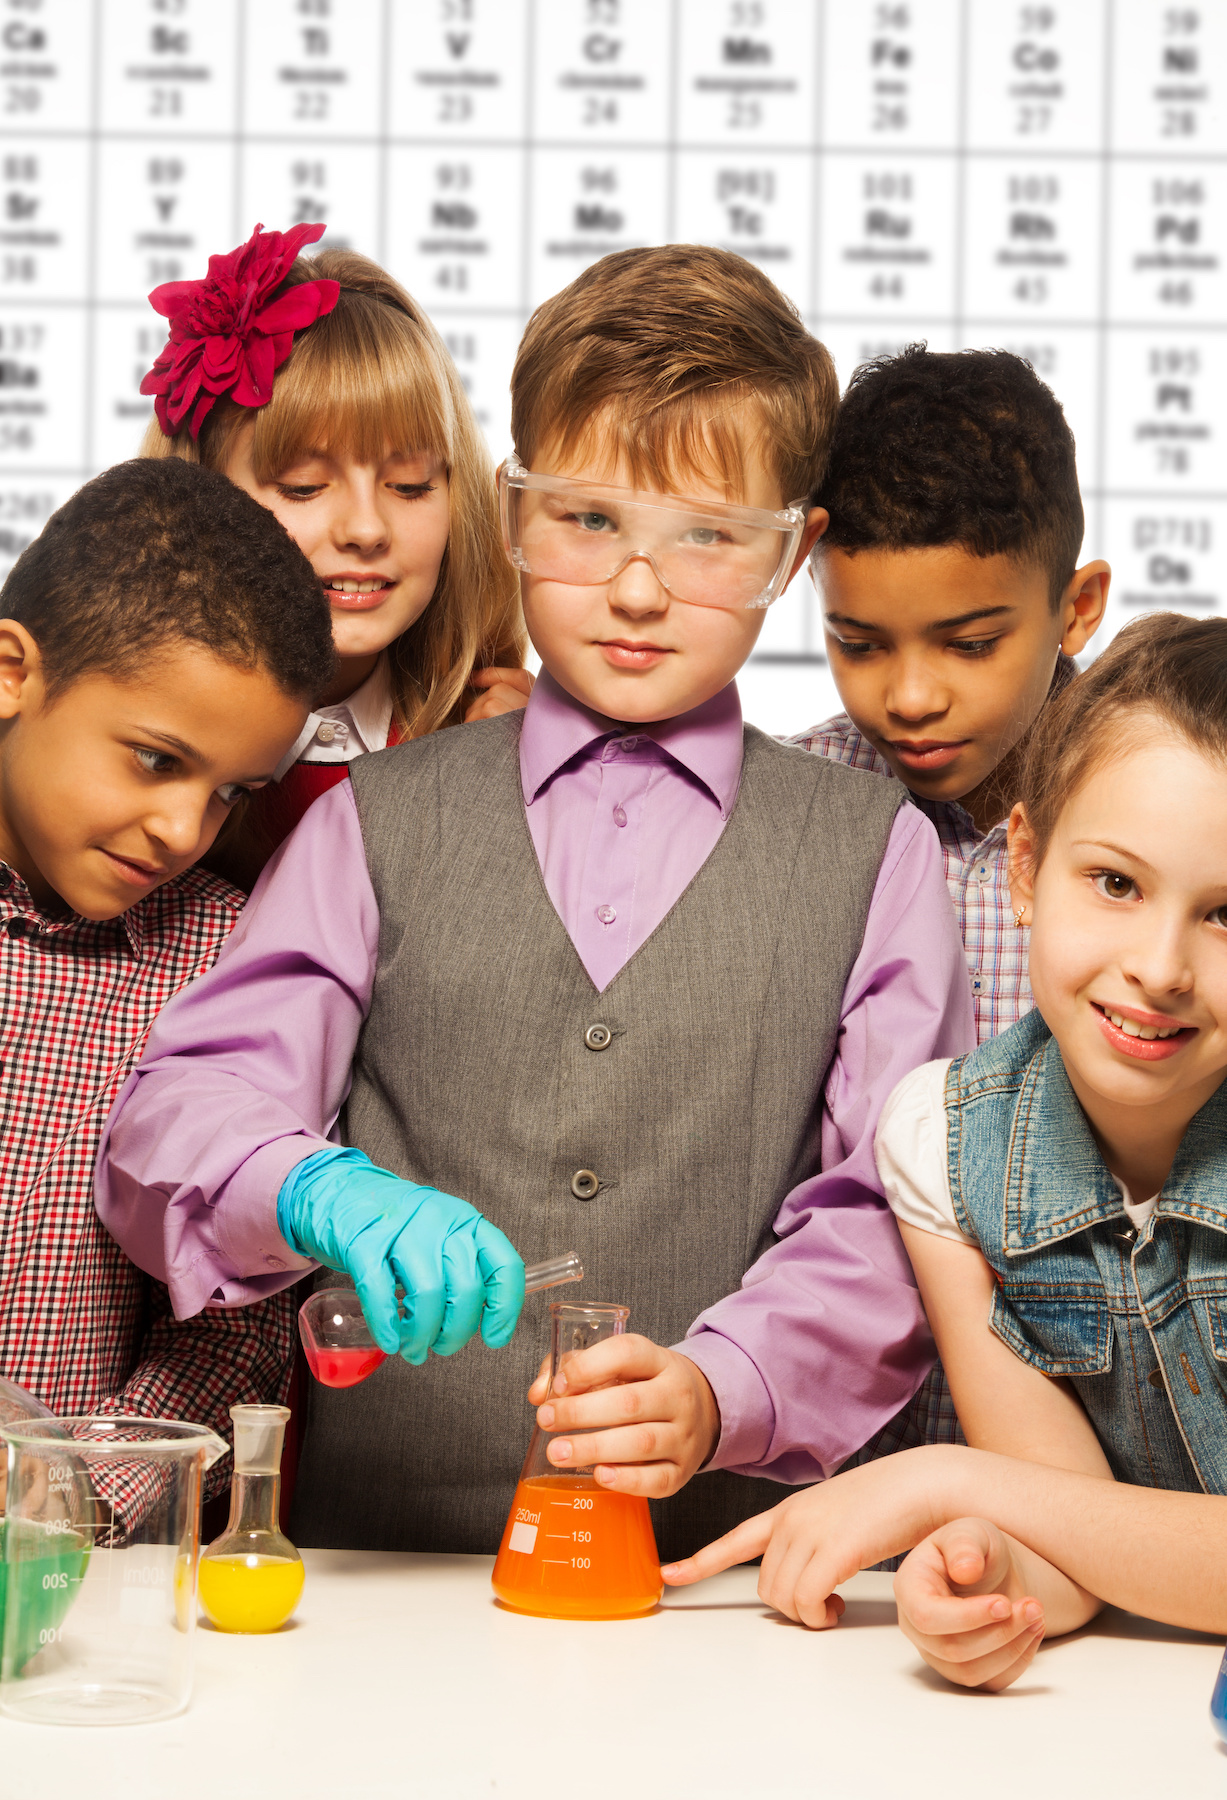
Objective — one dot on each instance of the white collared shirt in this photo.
(910, 1150)
(348, 729)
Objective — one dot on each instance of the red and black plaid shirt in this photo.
(80, 1325)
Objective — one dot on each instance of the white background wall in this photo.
(1048, 177)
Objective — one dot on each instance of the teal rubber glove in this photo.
(458, 1271)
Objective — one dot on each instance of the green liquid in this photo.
(39, 1575)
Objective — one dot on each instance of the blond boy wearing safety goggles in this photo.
(621, 974)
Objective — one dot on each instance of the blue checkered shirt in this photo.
(976, 874)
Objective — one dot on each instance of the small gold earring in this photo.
(1018, 917)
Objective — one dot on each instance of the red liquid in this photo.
(344, 1368)
(588, 1554)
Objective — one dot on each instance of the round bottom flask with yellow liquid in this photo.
(571, 1549)
(251, 1578)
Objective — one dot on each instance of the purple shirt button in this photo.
(619, 816)
(606, 914)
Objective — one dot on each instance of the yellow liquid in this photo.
(249, 1593)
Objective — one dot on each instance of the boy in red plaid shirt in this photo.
(160, 645)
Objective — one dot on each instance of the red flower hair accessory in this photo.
(226, 335)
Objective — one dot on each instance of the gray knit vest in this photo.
(474, 1074)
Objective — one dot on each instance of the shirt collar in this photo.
(16, 898)
(707, 741)
(958, 818)
(939, 811)
(368, 710)
(135, 923)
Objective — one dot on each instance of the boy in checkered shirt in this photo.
(160, 645)
(952, 605)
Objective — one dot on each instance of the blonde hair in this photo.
(652, 354)
(370, 376)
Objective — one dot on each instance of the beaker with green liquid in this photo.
(48, 1600)
(101, 1545)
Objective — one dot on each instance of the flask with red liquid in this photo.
(336, 1338)
(572, 1549)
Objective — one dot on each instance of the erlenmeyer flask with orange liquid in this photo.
(571, 1549)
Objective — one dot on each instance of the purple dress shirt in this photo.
(246, 1071)
(623, 823)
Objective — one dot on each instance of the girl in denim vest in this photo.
(1062, 1192)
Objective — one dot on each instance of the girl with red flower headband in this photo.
(321, 388)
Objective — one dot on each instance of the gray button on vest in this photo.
(598, 1037)
(584, 1184)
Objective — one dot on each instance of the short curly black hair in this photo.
(153, 553)
(969, 448)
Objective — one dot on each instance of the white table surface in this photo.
(400, 1676)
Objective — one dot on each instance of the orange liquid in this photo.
(572, 1550)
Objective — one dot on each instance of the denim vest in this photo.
(1136, 1321)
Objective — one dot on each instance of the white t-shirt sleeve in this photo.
(910, 1151)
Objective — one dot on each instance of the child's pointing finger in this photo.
(742, 1544)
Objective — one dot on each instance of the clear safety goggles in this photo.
(706, 554)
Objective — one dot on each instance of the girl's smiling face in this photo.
(1128, 914)
(375, 534)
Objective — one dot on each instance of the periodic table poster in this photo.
(1047, 177)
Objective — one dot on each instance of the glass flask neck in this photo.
(259, 1432)
(573, 1328)
(255, 1487)
(576, 1328)
(255, 1503)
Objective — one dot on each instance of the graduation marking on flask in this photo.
(593, 1556)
